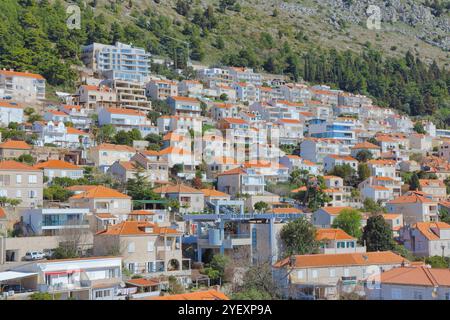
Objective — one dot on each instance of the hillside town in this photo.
(232, 184)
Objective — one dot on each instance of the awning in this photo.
(11, 275)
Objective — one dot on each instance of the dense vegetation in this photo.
(34, 37)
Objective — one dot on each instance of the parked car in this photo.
(48, 253)
(34, 255)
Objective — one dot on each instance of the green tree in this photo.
(216, 267)
(438, 262)
(299, 237)
(364, 156)
(349, 220)
(363, 171)
(377, 234)
(371, 206)
(261, 206)
(106, 133)
(418, 127)
(346, 172)
(444, 216)
(414, 183)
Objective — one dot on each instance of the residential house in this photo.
(332, 160)
(91, 96)
(100, 199)
(294, 162)
(324, 217)
(414, 207)
(412, 283)
(190, 88)
(426, 239)
(190, 199)
(395, 221)
(382, 168)
(13, 149)
(161, 89)
(22, 182)
(89, 278)
(60, 169)
(335, 241)
(105, 154)
(290, 131)
(241, 181)
(60, 135)
(51, 221)
(184, 106)
(327, 276)
(22, 86)
(366, 146)
(315, 150)
(10, 112)
(146, 248)
(223, 110)
(434, 187)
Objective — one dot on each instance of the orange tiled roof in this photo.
(15, 144)
(179, 188)
(334, 210)
(8, 104)
(129, 112)
(100, 192)
(344, 259)
(232, 171)
(142, 213)
(426, 228)
(115, 147)
(382, 162)
(200, 295)
(285, 210)
(365, 145)
(2, 213)
(293, 121)
(417, 276)
(431, 183)
(143, 282)
(332, 234)
(21, 74)
(56, 164)
(214, 193)
(135, 228)
(411, 198)
(179, 98)
(16, 166)
(235, 120)
(71, 130)
(339, 157)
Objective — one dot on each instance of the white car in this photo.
(34, 255)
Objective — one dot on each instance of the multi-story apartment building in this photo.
(161, 89)
(184, 106)
(91, 96)
(241, 181)
(122, 61)
(22, 182)
(426, 239)
(21, 86)
(129, 94)
(338, 129)
(190, 199)
(238, 74)
(315, 149)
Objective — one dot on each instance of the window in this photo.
(32, 179)
(19, 194)
(150, 246)
(332, 272)
(131, 247)
(32, 194)
(346, 272)
(396, 294)
(300, 274)
(417, 295)
(447, 296)
(315, 274)
(116, 204)
(19, 178)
